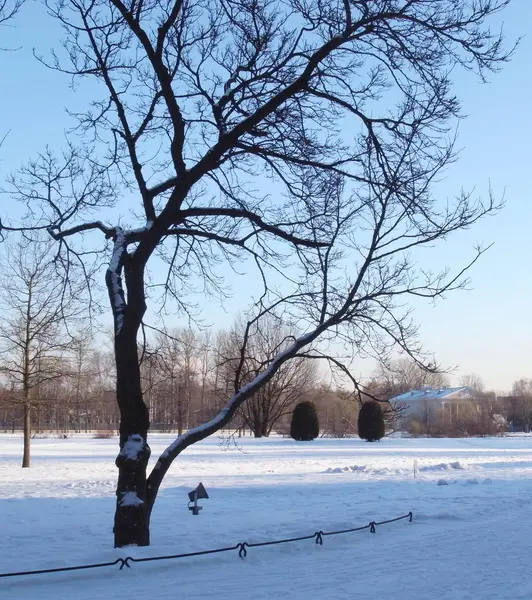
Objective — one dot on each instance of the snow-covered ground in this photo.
(469, 538)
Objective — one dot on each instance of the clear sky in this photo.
(486, 330)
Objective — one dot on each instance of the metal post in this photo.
(195, 508)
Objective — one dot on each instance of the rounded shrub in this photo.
(305, 425)
(371, 421)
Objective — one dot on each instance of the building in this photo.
(426, 404)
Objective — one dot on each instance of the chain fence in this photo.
(241, 547)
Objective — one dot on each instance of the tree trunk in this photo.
(27, 435)
(132, 516)
(179, 410)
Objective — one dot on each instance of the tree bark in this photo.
(132, 516)
(27, 435)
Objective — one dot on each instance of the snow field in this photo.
(468, 539)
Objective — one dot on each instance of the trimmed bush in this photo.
(370, 421)
(305, 425)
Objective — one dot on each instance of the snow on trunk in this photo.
(114, 279)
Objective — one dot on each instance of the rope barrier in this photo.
(368, 526)
(118, 561)
(408, 516)
(241, 547)
(129, 559)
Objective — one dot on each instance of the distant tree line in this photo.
(56, 375)
(186, 375)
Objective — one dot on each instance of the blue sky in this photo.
(486, 330)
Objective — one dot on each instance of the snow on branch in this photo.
(59, 235)
(114, 279)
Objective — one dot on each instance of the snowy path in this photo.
(469, 540)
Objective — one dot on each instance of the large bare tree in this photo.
(299, 137)
(8, 9)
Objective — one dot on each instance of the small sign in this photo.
(194, 496)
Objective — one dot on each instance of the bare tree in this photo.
(474, 382)
(396, 377)
(290, 384)
(519, 404)
(346, 106)
(175, 370)
(206, 355)
(402, 375)
(522, 387)
(338, 413)
(81, 348)
(34, 307)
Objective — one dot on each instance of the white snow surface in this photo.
(466, 541)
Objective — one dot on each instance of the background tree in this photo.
(81, 376)
(371, 421)
(337, 410)
(205, 368)
(474, 382)
(292, 381)
(519, 405)
(522, 387)
(33, 340)
(345, 107)
(175, 354)
(305, 426)
(396, 377)
(402, 375)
